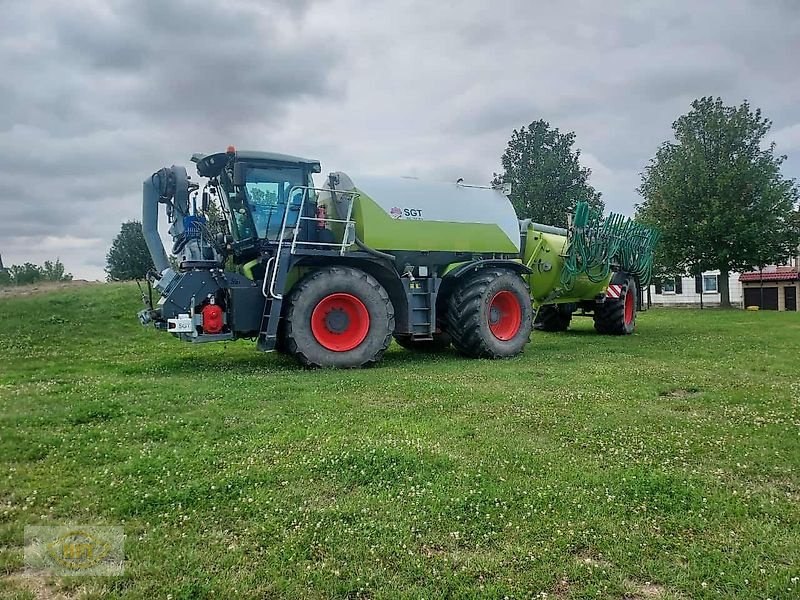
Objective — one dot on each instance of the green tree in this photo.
(718, 195)
(128, 257)
(215, 218)
(26, 273)
(545, 174)
(55, 271)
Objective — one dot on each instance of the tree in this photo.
(215, 218)
(129, 257)
(718, 195)
(545, 174)
(25, 274)
(55, 271)
(28, 273)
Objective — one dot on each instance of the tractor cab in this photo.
(263, 194)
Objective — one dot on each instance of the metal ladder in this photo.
(277, 267)
(422, 294)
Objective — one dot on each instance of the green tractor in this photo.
(331, 274)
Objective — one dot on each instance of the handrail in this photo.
(296, 231)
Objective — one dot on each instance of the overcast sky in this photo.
(95, 96)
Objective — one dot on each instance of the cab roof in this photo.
(274, 156)
(210, 165)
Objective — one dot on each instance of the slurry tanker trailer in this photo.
(331, 274)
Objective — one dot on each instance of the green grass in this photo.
(585, 468)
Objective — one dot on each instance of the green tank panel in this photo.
(381, 231)
(394, 214)
(544, 254)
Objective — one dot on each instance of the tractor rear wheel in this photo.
(490, 314)
(440, 342)
(552, 317)
(338, 317)
(617, 316)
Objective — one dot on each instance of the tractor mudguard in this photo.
(472, 267)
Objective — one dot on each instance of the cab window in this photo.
(270, 194)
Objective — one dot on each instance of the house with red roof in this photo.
(773, 287)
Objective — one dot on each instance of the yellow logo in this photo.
(77, 550)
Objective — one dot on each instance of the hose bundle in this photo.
(596, 244)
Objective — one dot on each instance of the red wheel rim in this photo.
(340, 322)
(505, 315)
(628, 308)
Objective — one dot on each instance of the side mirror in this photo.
(239, 171)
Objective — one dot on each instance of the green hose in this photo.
(596, 245)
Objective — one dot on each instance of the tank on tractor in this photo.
(331, 274)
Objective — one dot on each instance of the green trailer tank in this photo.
(331, 274)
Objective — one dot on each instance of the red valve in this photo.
(212, 318)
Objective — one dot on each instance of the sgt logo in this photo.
(415, 214)
(80, 550)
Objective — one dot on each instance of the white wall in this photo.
(690, 297)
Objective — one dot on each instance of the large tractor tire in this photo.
(552, 317)
(617, 316)
(490, 315)
(440, 342)
(338, 317)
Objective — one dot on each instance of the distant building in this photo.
(2, 268)
(775, 287)
(686, 291)
(772, 288)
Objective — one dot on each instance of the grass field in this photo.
(660, 465)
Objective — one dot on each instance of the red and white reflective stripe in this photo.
(614, 291)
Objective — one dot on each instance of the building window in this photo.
(710, 283)
(670, 286)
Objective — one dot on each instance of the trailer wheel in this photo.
(552, 317)
(490, 315)
(338, 317)
(617, 316)
(440, 342)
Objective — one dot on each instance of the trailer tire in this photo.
(439, 343)
(338, 317)
(490, 315)
(617, 316)
(552, 317)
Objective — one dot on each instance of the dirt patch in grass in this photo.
(592, 560)
(42, 287)
(38, 583)
(562, 588)
(642, 591)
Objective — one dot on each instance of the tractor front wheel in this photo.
(338, 317)
(490, 315)
(617, 315)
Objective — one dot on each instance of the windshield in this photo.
(269, 191)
